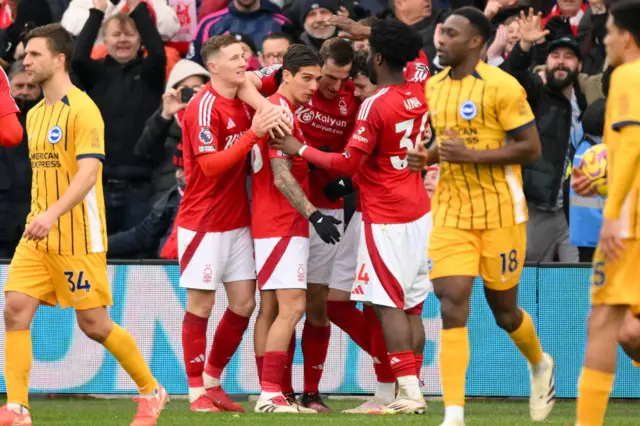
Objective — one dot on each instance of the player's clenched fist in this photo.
(325, 226)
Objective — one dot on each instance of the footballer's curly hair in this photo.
(359, 66)
(395, 41)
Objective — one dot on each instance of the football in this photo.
(594, 166)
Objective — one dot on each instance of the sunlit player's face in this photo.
(304, 83)
(455, 39)
(333, 78)
(228, 64)
(39, 62)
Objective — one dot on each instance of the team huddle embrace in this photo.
(311, 141)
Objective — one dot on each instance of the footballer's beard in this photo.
(561, 83)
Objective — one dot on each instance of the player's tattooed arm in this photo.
(289, 186)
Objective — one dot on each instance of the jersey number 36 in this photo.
(407, 127)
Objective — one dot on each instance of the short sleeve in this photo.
(7, 104)
(270, 78)
(367, 128)
(513, 110)
(88, 134)
(625, 105)
(201, 126)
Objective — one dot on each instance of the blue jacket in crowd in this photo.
(257, 25)
(585, 213)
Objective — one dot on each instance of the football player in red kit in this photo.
(214, 240)
(11, 134)
(281, 233)
(392, 263)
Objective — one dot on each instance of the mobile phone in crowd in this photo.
(186, 93)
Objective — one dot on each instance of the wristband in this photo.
(301, 150)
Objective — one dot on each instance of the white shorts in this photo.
(282, 262)
(321, 254)
(393, 267)
(344, 266)
(210, 258)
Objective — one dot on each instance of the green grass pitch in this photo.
(120, 412)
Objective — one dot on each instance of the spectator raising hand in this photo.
(531, 31)
(171, 103)
(495, 53)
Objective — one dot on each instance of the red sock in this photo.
(378, 348)
(272, 371)
(225, 342)
(287, 380)
(259, 364)
(315, 343)
(404, 364)
(352, 321)
(194, 346)
(419, 359)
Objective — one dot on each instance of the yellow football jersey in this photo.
(59, 135)
(623, 109)
(482, 108)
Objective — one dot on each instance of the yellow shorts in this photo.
(497, 255)
(617, 283)
(78, 281)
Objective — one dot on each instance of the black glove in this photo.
(338, 188)
(326, 227)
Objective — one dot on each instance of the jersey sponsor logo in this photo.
(231, 139)
(55, 135)
(47, 160)
(230, 124)
(358, 135)
(307, 115)
(468, 110)
(205, 136)
(412, 103)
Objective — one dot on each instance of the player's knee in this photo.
(293, 309)
(94, 327)
(16, 315)
(317, 312)
(629, 334)
(509, 321)
(454, 315)
(244, 307)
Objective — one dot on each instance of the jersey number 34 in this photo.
(407, 127)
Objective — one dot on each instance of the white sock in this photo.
(195, 393)
(410, 386)
(269, 395)
(15, 407)
(385, 392)
(540, 369)
(210, 382)
(453, 412)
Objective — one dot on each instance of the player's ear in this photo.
(579, 66)
(286, 76)
(377, 59)
(211, 67)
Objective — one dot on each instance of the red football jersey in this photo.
(212, 123)
(7, 104)
(327, 125)
(389, 123)
(273, 215)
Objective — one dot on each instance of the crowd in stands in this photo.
(139, 61)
